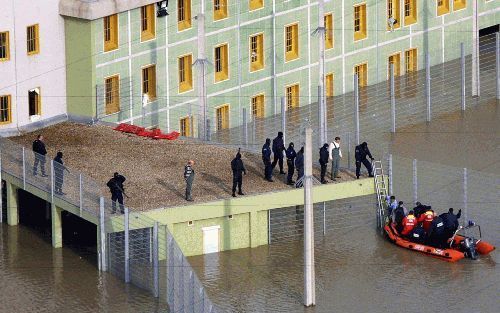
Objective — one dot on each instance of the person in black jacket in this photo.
(450, 221)
(360, 154)
(290, 162)
(323, 161)
(59, 169)
(436, 235)
(39, 152)
(238, 169)
(117, 190)
(266, 158)
(278, 148)
(299, 164)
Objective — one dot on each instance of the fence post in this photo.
(476, 90)
(415, 181)
(81, 193)
(497, 58)
(52, 181)
(1, 190)
(127, 241)
(321, 117)
(309, 275)
(191, 291)
(462, 65)
(393, 101)
(324, 218)
(208, 135)
(24, 169)
(102, 232)
(349, 151)
(156, 269)
(283, 117)
(269, 227)
(170, 271)
(466, 213)
(356, 107)
(428, 85)
(181, 281)
(390, 175)
(245, 127)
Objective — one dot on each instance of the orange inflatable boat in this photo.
(461, 246)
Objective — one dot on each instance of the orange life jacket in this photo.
(409, 222)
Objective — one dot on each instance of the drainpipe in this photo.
(275, 93)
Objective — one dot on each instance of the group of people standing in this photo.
(422, 224)
(40, 153)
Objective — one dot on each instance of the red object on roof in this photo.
(141, 131)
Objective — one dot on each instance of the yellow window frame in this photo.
(5, 46)
(185, 72)
(411, 60)
(112, 94)
(149, 81)
(292, 94)
(443, 7)
(148, 22)
(5, 109)
(255, 4)
(359, 21)
(185, 126)
(222, 117)
(256, 43)
(410, 12)
(33, 39)
(362, 71)
(393, 11)
(328, 19)
(459, 4)
(221, 65)
(329, 91)
(220, 9)
(183, 14)
(396, 60)
(257, 106)
(291, 42)
(110, 32)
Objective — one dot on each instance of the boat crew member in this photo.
(335, 154)
(408, 223)
(290, 162)
(426, 219)
(436, 234)
(398, 215)
(450, 221)
(360, 154)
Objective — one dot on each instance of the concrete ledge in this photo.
(14, 131)
(94, 9)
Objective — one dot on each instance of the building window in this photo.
(220, 63)
(393, 11)
(361, 71)
(459, 4)
(394, 59)
(255, 4)
(110, 32)
(185, 128)
(222, 115)
(185, 73)
(220, 9)
(4, 46)
(148, 22)
(329, 31)
(411, 60)
(360, 22)
(292, 96)
(329, 85)
(5, 114)
(410, 12)
(443, 7)
(183, 14)
(34, 102)
(256, 52)
(112, 90)
(291, 42)
(149, 82)
(258, 106)
(33, 39)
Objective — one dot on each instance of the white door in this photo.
(210, 239)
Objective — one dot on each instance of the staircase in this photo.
(381, 190)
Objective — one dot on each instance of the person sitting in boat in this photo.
(419, 209)
(409, 222)
(450, 221)
(417, 235)
(426, 219)
(398, 214)
(436, 236)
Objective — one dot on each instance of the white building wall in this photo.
(23, 72)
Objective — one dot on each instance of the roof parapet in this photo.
(95, 9)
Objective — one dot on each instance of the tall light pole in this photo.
(475, 51)
(309, 272)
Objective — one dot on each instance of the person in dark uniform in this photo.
(419, 209)
(436, 235)
(266, 158)
(417, 235)
(116, 188)
(360, 154)
(40, 152)
(189, 178)
(238, 169)
(290, 162)
(299, 164)
(323, 161)
(399, 214)
(278, 148)
(450, 221)
(59, 169)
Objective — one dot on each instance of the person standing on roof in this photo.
(266, 158)
(335, 154)
(189, 178)
(40, 152)
(323, 161)
(238, 169)
(59, 169)
(360, 154)
(117, 190)
(278, 148)
(299, 164)
(290, 162)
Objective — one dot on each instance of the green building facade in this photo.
(110, 85)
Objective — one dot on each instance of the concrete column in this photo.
(12, 205)
(393, 102)
(56, 226)
(254, 231)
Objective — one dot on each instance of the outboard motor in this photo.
(469, 248)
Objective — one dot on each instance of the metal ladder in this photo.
(381, 190)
